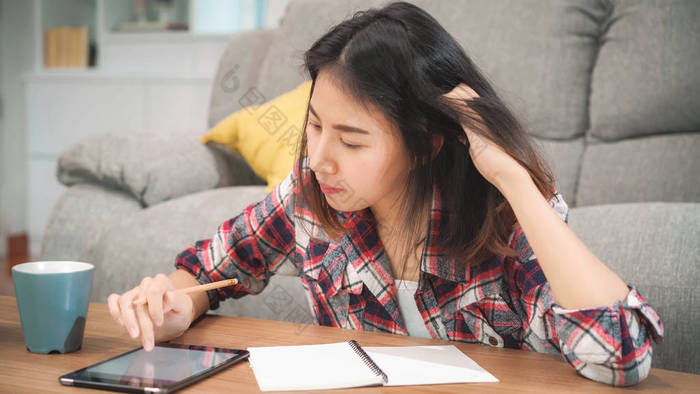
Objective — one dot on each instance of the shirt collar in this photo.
(358, 227)
(433, 261)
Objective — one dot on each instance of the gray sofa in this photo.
(609, 89)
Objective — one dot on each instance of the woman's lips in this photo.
(329, 190)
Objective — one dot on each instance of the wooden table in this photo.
(517, 370)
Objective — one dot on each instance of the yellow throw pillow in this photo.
(266, 135)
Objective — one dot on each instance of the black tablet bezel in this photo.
(74, 378)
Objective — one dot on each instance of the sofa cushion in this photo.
(646, 79)
(663, 168)
(284, 298)
(653, 246)
(540, 64)
(283, 67)
(564, 158)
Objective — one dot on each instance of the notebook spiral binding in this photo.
(368, 360)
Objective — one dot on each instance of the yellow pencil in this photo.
(205, 287)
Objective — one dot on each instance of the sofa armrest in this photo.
(151, 167)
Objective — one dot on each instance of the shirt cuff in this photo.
(633, 301)
(188, 261)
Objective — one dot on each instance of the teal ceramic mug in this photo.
(53, 298)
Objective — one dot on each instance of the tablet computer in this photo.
(166, 368)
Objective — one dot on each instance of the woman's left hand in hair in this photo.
(492, 162)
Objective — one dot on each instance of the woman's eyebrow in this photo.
(341, 127)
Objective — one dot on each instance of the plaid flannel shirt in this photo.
(504, 301)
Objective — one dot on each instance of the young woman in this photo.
(417, 206)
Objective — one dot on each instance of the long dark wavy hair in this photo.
(401, 60)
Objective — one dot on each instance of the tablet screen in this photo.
(163, 366)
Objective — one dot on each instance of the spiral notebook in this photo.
(347, 364)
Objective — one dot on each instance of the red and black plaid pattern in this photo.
(504, 301)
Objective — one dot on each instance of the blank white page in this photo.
(310, 367)
(409, 365)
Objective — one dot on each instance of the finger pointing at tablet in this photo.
(162, 307)
(166, 314)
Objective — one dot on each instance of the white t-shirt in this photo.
(409, 310)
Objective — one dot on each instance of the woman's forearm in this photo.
(182, 279)
(577, 277)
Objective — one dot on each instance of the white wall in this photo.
(16, 58)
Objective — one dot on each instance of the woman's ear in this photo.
(438, 140)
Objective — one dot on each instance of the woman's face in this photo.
(355, 149)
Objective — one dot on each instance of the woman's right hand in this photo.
(166, 314)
